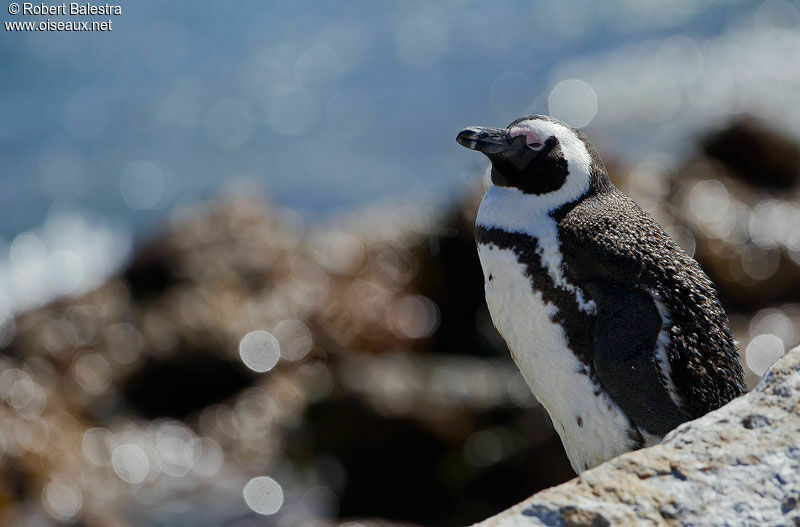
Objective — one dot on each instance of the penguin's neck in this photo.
(511, 210)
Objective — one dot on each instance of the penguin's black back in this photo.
(607, 237)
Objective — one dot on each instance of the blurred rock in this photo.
(450, 274)
(756, 153)
(183, 384)
(138, 394)
(744, 237)
(738, 465)
(447, 429)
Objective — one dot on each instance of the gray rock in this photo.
(739, 465)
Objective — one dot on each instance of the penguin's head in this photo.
(539, 156)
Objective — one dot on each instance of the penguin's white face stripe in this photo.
(579, 162)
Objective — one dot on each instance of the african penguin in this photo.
(617, 331)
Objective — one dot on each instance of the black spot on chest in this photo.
(578, 325)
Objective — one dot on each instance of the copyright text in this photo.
(61, 10)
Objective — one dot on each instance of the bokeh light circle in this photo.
(64, 270)
(573, 101)
(263, 495)
(260, 351)
(483, 448)
(420, 42)
(762, 351)
(657, 98)
(680, 59)
(27, 255)
(93, 373)
(777, 14)
(130, 463)
(774, 321)
(295, 339)
(414, 316)
(62, 501)
(142, 185)
(318, 68)
(211, 459)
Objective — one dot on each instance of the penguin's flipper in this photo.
(625, 357)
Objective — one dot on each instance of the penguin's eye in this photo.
(535, 146)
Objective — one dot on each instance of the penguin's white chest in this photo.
(592, 427)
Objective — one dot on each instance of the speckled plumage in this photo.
(617, 331)
(617, 241)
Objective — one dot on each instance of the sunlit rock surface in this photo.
(739, 465)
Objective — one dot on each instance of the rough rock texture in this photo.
(739, 465)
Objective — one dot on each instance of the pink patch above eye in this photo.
(530, 136)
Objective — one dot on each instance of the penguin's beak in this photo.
(487, 140)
